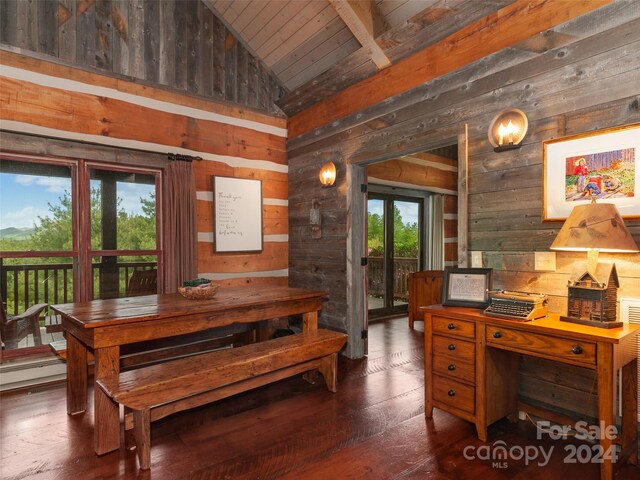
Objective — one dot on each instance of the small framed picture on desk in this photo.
(467, 287)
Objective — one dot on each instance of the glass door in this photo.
(394, 251)
(122, 251)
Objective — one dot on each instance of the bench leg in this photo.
(329, 369)
(129, 439)
(142, 435)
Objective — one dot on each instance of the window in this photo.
(73, 231)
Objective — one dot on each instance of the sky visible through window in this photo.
(408, 210)
(24, 198)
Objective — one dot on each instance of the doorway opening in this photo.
(395, 241)
(408, 227)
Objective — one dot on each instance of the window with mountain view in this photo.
(71, 231)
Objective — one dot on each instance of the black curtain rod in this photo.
(182, 158)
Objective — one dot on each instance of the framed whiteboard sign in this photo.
(237, 205)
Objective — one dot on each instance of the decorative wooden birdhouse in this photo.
(593, 298)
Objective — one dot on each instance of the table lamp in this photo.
(593, 228)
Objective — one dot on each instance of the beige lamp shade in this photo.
(596, 226)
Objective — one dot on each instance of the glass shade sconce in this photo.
(328, 174)
(507, 130)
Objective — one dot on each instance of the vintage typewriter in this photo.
(520, 306)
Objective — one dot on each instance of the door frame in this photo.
(86, 250)
(357, 321)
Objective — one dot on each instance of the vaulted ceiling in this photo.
(318, 47)
(315, 61)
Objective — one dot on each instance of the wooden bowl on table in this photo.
(202, 292)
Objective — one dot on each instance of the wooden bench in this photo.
(154, 392)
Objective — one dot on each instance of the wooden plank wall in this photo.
(39, 101)
(176, 43)
(578, 77)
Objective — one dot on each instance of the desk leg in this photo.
(605, 404)
(76, 375)
(428, 366)
(106, 428)
(630, 410)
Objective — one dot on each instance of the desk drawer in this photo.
(455, 394)
(451, 368)
(455, 349)
(573, 350)
(453, 326)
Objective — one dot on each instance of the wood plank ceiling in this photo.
(316, 48)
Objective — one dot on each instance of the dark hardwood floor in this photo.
(373, 428)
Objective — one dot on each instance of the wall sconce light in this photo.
(507, 130)
(593, 228)
(328, 174)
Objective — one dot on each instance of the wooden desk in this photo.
(471, 372)
(104, 325)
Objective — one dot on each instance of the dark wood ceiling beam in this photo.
(504, 68)
(426, 158)
(415, 175)
(366, 23)
(423, 29)
(506, 27)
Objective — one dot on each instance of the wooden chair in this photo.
(14, 328)
(425, 288)
(143, 282)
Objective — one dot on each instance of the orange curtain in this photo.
(180, 227)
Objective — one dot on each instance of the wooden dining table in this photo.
(103, 326)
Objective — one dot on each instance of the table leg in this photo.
(266, 329)
(76, 375)
(310, 324)
(606, 417)
(106, 428)
(309, 321)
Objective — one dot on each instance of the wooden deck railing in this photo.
(402, 268)
(27, 284)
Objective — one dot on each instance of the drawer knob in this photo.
(497, 335)
(451, 367)
(577, 349)
(452, 393)
(452, 346)
(451, 326)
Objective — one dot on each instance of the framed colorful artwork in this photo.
(603, 164)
